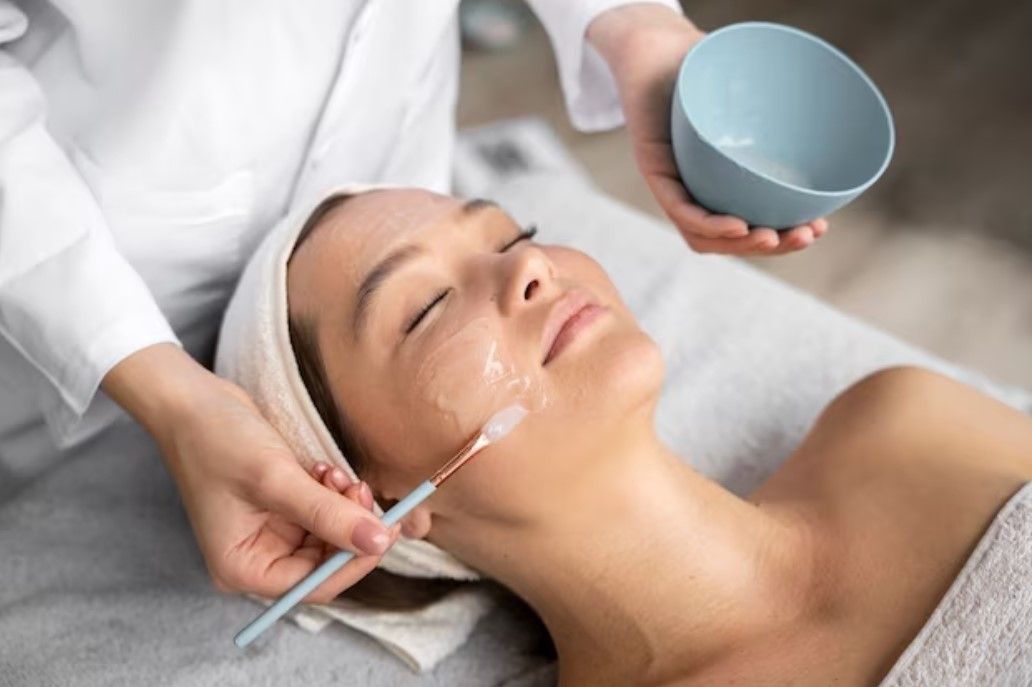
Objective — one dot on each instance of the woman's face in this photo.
(430, 315)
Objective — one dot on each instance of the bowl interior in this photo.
(787, 106)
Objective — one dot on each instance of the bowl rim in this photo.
(679, 96)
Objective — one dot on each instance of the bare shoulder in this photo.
(915, 408)
(908, 468)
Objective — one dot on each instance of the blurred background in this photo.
(939, 252)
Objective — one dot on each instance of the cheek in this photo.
(597, 403)
(419, 421)
(579, 268)
(472, 374)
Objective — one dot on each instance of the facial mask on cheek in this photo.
(471, 375)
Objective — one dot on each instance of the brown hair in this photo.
(380, 588)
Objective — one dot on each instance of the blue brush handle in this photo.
(323, 572)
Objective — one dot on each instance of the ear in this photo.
(416, 525)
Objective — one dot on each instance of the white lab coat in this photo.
(146, 145)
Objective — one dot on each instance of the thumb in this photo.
(337, 520)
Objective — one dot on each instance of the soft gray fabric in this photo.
(101, 583)
(981, 632)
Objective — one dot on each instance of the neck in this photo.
(652, 570)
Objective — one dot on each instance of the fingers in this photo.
(360, 493)
(757, 241)
(706, 232)
(286, 489)
(793, 240)
(315, 551)
(330, 477)
(344, 578)
(318, 471)
(800, 237)
(285, 572)
(692, 219)
(275, 577)
(763, 240)
(336, 479)
(314, 548)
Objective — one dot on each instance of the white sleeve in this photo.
(69, 302)
(588, 86)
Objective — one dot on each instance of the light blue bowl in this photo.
(776, 126)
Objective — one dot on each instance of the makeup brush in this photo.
(500, 424)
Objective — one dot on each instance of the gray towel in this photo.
(981, 632)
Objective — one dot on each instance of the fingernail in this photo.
(366, 495)
(340, 480)
(354, 492)
(370, 537)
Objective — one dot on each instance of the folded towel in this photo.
(254, 351)
(419, 638)
(981, 632)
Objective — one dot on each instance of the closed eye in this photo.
(525, 234)
(425, 310)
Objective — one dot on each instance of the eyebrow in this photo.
(377, 276)
(472, 207)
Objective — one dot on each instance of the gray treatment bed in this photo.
(101, 583)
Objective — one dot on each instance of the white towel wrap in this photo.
(254, 352)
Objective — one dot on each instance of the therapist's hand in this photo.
(644, 45)
(262, 522)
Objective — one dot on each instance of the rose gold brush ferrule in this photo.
(461, 458)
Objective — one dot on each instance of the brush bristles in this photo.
(503, 422)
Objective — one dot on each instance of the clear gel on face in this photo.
(472, 374)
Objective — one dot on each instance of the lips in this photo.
(569, 315)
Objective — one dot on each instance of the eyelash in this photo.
(525, 234)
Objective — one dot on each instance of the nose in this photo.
(530, 278)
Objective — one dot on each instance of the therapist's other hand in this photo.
(261, 521)
(644, 45)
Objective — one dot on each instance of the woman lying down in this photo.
(414, 317)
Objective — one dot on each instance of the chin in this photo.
(617, 375)
(632, 376)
